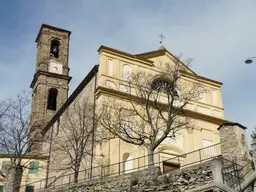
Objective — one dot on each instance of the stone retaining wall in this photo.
(193, 178)
(127, 182)
(187, 179)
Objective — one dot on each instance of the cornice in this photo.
(51, 27)
(48, 74)
(152, 54)
(231, 124)
(43, 157)
(119, 53)
(106, 91)
(203, 79)
(161, 52)
(164, 51)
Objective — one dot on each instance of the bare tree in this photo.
(253, 134)
(104, 169)
(14, 130)
(3, 109)
(73, 137)
(154, 106)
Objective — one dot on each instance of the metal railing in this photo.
(166, 162)
(234, 174)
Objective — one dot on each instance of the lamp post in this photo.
(249, 60)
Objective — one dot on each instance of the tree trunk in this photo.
(150, 157)
(76, 173)
(13, 178)
(76, 176)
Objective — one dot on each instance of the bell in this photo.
(55, 49)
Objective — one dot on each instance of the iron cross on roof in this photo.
(161, 38)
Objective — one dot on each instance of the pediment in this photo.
(163, 56)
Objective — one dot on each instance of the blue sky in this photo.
(219, 35)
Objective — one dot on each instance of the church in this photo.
(109, 80)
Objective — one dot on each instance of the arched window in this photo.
(52, 99)
(33, 167)
(55, 48)
(128, 162)
(127, 72)
(164, 84)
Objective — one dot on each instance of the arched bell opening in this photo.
(55, 48)
(52, 99)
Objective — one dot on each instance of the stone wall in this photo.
(203, 177)
(187, 179)
(253, 145)
(44, 80)
(127, 182)
(234, 143)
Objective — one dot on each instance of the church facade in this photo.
(106, 80)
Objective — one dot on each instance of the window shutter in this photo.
(33, 167)
(36, 166)
(29, 189)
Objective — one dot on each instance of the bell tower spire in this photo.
(51, 78)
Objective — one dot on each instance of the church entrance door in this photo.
(168, 167)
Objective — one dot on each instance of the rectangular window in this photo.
(33, 167)
(110, 67)
(208, 148)
(201, 94)
(29, 188)
(214, 97)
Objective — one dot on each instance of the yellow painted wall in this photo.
(205, 129)
(28, 178)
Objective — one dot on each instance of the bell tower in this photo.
(51, 78)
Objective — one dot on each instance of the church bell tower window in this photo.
(52, 99)
(55, 48)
